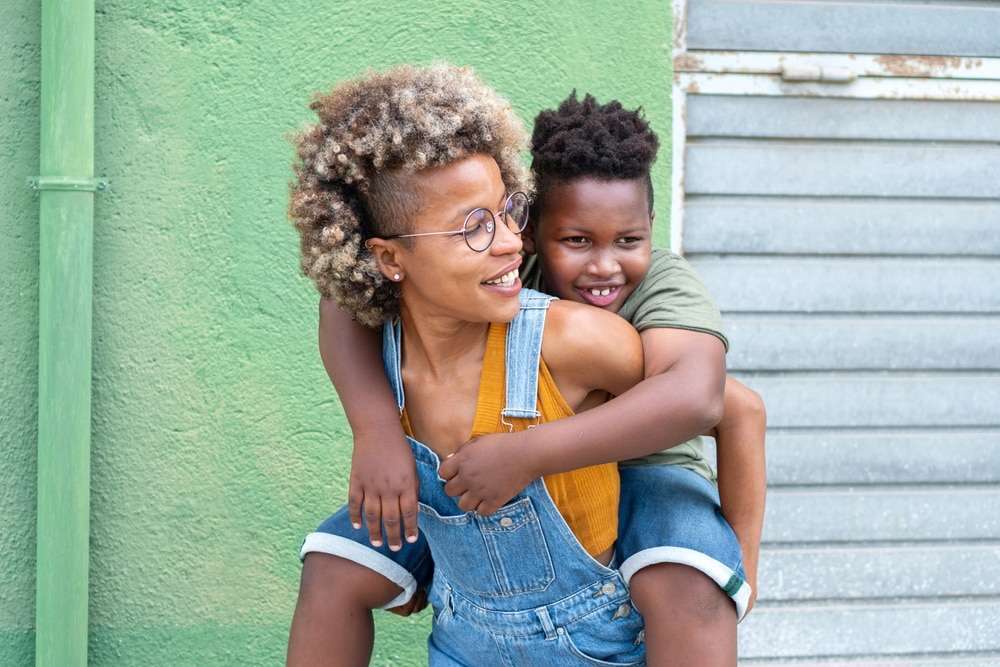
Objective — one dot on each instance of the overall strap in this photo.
(524, 334)
(524, 350)
(392, 353)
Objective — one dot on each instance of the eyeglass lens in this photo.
(516, 212)
(479, 229)
(480, 225)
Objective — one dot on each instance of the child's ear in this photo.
(387, 255)
(652, 214)
(528, 238)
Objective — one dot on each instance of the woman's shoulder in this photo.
(574, 329)
(576, 320)
(590, 348)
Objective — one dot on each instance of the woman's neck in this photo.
(441, 368)
(435, 347)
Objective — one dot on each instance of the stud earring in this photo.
(395, 276)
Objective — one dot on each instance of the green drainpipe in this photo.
(65, 292)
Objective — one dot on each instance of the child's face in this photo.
(593, 240)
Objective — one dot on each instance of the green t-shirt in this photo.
(671, 296)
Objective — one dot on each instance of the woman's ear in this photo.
(387, 255)
(528, 238)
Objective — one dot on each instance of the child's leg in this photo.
(343, 580)
(689, 619)
(333, 622)
(684, 566)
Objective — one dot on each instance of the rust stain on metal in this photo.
(680, 28)
(686, 62)
(922, 66)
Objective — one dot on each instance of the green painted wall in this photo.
(217, 440)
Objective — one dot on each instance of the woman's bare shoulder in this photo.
(595, 347)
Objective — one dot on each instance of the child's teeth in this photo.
(601, 292)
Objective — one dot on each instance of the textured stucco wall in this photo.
(19, 109)
(217, 440)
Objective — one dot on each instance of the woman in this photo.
(686, 556)
(407, 203)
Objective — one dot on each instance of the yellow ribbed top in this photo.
(586, 498)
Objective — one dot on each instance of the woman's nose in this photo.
(506, 240)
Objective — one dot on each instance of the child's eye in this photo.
(629, 240)
(575, 239)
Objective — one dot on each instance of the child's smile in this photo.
(594, 240)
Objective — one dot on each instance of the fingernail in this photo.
(376, 543)
(356, 525)
(411, 538)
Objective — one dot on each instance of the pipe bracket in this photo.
(70, 183)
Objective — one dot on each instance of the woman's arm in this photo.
(742, 476)
(682, 397)
(383, 480)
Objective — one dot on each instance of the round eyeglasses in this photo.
(479, 227)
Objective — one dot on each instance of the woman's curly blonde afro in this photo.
(351, 176)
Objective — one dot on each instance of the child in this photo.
(591, 231)
(608, 152)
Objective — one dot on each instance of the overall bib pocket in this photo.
(510, 539)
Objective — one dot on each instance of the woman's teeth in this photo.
(506, 280)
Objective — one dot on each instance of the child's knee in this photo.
(344, 583)
(681, 590)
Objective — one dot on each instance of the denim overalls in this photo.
(516, 587)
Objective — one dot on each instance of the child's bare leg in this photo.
(689, 619)
(333, 622)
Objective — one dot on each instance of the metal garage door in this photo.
(837, 184)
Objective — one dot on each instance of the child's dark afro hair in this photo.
(585, 139)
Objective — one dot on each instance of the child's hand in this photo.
(384, 488)
(486, 472)
(752, 580)
(416, 604)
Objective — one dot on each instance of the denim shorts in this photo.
(669, 514)
(410, 568)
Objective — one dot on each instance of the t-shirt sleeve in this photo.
(672, 296)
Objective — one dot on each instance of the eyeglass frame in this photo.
(491, 231)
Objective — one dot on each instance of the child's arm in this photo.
(383, 473)
(681, 398)
(742, 476)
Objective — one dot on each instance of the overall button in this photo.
(623, 611)
(607, 589)
(506, 522)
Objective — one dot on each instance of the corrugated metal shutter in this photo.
(837, 173)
